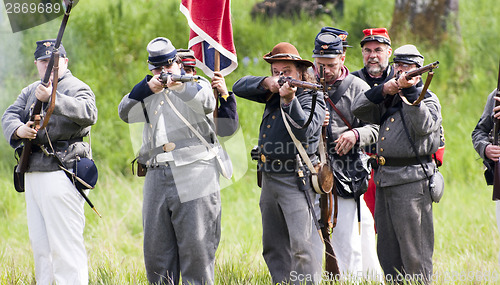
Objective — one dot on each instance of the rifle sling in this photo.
(424, 90)
(337, 95)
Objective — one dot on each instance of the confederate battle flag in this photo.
(210, 23)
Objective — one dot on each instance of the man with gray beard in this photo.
(376, 50)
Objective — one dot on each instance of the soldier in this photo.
(56, 217)
(346, 135)
(287, 238)
(409, 135)
(483, 144)
(181, 207)
(227, 115)
(376, 51)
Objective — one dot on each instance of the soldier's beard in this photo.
(377, 69)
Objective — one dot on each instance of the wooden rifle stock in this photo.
(496, 128)
(327, 202)
(37, 109)
(422, 70)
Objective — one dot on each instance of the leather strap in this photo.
(212, 149)
(338, 112)
(303, 155)
(424, 90)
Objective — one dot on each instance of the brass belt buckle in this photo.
(168, 147)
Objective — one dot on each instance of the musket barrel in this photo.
(176, 77)
(299, 83)
(422, 70)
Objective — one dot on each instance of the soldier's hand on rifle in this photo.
(173, 85)
(271, 84)
(345, 142)
(391, 87)
(496, 109)
(155, 84)
(492, 152)
(43, 93)
(219, 83)
(403, 83)
(26, 131)
(287, 93)
(327, 119)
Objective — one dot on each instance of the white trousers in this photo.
(55, 222)
(356, 254)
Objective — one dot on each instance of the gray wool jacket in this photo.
(423, 122)
(368, 132)
(75, 111)
(195, 101)
(481, 137)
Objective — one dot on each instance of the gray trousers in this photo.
(403, 217)
(179, 237)
(290, 245)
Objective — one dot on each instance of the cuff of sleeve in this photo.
(375, 94)
(410, 93)
(356, 134)
(227, 108)
(141, 90)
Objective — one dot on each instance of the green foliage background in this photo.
(106, 43)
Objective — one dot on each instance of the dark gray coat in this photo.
(423, 122)
(75, 111)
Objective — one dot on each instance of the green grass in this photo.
(106, 42)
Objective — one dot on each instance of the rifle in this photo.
(176, 77)
(299, 83)
(496, 128)
(304, 85)
(421, 70)
(327, 202)
(37, 115)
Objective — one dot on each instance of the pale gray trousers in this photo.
(403, 217)
(179, 237)
(290, 245)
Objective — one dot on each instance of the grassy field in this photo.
(106, 43)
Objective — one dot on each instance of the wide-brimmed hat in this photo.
(161, 52)
(45, 48)
(408, 54)
(376, 34)
(285, 52)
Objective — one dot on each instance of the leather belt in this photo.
(156, 164)
(276, 165)
(402, 161)
(58, 145)
(170, 146)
